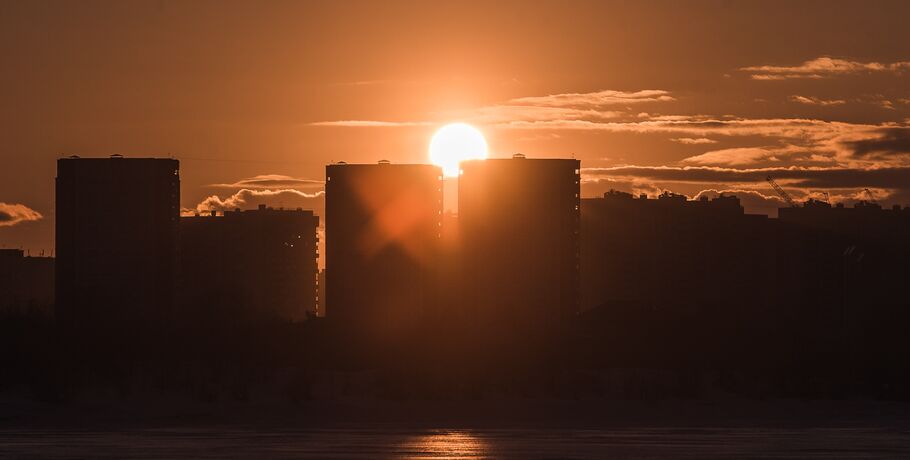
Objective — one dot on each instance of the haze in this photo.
(254, 100)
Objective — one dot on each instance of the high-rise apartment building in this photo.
(116, 239)
(519, 233)
(382, 228)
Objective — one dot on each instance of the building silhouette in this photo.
(27, 283)
(817, 289)
(848, 274)
(263, 262)
(655, 251)
(382, 228)
(116, 240)
(679, 282)
(865, 221)
(320, 294)
(519, 236)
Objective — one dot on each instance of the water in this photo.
(240, 441)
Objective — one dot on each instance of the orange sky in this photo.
(682, 96)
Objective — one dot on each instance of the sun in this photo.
(454, 143)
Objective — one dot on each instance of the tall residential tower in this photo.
(382, 227)
(519, 230)
(117, 224)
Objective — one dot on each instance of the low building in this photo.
(262, 262)
(27, 283)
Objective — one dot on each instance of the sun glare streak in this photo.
(454, 143)
(445, 444)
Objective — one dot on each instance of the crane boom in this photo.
(783, 193)
(870, 195)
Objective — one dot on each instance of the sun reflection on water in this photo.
(445, 444)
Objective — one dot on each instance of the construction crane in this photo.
(783, 193)
(870, 195)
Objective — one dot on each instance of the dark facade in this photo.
(864, 221)
(116, 239)
(677, 282)
(849, 275)
(699, 283)
(519, 236)
(262, 262)
(382, 233)
(655, 251)
(27, 283)
(320, 294)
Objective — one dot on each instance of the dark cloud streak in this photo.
(890, 178)
(892, 142)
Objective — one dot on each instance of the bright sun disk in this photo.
(454, 143)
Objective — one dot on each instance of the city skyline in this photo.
(821, 112)
(497, 229)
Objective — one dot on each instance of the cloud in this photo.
(816, 101)
(596, 99)
(693, 140)
(812, 177)
(781, 127)
(803, 141)
(371, 123)
(507, 113)
(732, 157)
(249, 199)
(271, 181)
(13, 214)
(775, 77)
(886, 104)
(823, 67)
(564, 106)
(807, 141)
(889, 142)
(755, 202)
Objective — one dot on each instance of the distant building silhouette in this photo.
(655, 251)
(263, 261)
(519, 233)
(849, 273)
(26, 283)
(320, 294)
(116, 240)
(382, 227)
(865, 220)
(819, 287)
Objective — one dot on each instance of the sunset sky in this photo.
(255, 98)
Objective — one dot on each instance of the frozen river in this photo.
(459, 429)
(224, 442)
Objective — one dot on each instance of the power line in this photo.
(232, 160)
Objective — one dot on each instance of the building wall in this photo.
(848, 275)
(261, 262)
(320, 295)
(382, 232)
(27, 283)
(663, 250)
(116, 239)
(519, 234)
